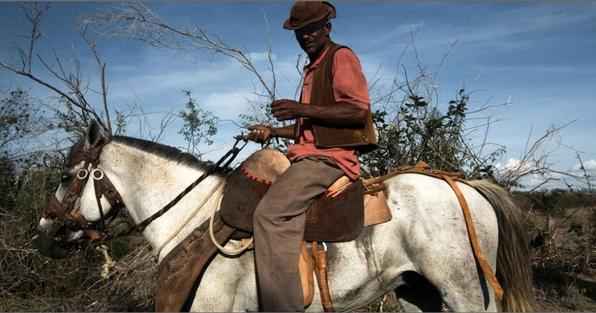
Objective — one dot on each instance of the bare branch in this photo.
(138, 22)
(102, 65)
(51, 87)
(534, 161)
(163, 125)
(299, 68)
(33, 12)
(76, 88)
(587, 176)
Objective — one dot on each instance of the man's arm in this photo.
(339, 114)
(283, 132)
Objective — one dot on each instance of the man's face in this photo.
(313, 37)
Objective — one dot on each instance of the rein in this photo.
(231, 154)
(104, 187)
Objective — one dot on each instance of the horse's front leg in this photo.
(228, 285)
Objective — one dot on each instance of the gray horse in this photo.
(423, 253)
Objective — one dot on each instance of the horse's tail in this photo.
(513, 256)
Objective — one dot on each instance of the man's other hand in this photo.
(286, 109)
(259, 133)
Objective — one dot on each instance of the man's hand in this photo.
(259, 133)
(286, 109)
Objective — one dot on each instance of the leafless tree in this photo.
(416, 128)
(535, 162)
(75, 93)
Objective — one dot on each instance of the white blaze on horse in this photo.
(423, 253)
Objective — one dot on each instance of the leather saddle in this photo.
(337, 215)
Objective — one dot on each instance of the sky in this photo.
(536, 58)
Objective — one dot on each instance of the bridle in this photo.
(103, 186)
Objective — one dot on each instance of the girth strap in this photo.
(320, 257)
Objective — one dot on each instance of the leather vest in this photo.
(363, 138)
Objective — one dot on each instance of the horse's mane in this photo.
(164, 151)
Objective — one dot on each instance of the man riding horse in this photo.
(429, 253)
(332, 125)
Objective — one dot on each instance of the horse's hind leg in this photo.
(418, 294)
(462, 289)
(463, 300)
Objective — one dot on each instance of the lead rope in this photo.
(221, 248)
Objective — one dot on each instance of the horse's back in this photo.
(427, 209)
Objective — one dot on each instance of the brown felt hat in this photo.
(306, 12)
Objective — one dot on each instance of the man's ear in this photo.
(95, 135)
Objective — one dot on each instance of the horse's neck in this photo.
(148, 182)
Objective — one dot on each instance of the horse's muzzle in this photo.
(48, 246)
(56, 238)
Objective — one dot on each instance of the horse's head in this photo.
(84, 200)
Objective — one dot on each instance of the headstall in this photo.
(67, 209)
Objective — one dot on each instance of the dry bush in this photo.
(561, 225)
(132, 281)
(31, 282)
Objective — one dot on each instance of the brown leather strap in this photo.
(108, 190)
(375, 184)
(320, 257)
(480, 258)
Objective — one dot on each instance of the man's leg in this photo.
(278, 229)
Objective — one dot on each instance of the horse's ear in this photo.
(95, 135)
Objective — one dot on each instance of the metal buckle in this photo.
(96, 176)
(82, 174)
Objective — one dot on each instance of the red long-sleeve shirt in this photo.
(350, 87)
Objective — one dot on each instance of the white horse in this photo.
(423, 253)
